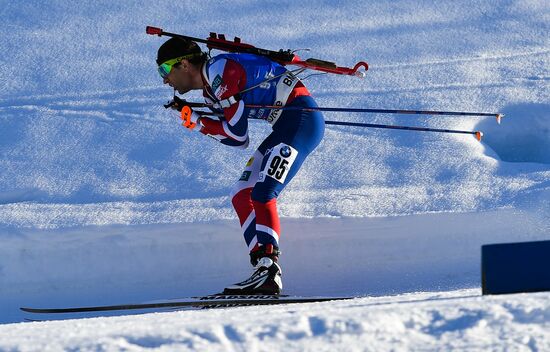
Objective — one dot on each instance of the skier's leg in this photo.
(280, 165)
(283, 153)
(285, 150)
(241, 197)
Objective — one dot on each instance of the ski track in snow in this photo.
(102, 104)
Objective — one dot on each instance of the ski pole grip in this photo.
(153, 30)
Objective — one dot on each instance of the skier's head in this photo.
(179, 62)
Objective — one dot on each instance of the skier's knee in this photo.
(263, 196)
(241, 198)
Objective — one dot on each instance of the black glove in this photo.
(176, 103)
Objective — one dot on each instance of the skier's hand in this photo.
(189, 118)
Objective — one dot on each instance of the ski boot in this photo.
(266, 278)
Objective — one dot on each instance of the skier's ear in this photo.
(184, 65)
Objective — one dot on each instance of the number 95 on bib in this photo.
(279, 162)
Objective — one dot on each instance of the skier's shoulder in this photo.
(215, 65)
(221, 60)
(225, 66)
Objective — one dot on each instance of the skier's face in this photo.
(179, 78)
(184, 77)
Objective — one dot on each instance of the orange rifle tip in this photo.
(479, 134)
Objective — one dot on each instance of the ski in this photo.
(212, 301)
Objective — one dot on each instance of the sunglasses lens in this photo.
(166, 67)
(164, 70)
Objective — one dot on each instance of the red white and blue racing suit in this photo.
(233, 80)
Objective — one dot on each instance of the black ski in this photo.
(213, 301)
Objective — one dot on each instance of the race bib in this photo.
(284, 87)
(279, 163)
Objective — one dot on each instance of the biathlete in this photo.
(229, 81)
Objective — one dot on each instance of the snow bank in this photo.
(333, 257)
(523, 138)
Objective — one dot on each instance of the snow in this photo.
(104, 199)
(460, 320)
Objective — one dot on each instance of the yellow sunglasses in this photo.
(166, 67)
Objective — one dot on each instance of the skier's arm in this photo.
(232, 129)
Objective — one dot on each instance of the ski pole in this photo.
(498, 116)
(477, 134)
